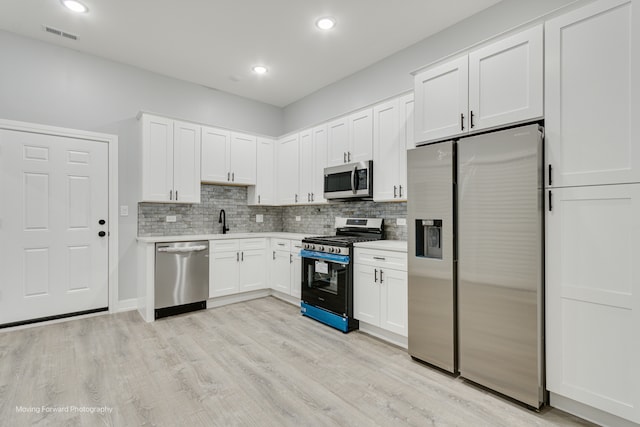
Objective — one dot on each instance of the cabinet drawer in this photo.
(382, 259)
(296, 246)
(280, 244)
(224, 245)
(248, 244)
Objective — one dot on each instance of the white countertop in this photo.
(385, 245)
(194, 237)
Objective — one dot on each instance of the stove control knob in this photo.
(319, 248)
(332, 250)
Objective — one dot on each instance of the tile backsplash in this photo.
(202, 218)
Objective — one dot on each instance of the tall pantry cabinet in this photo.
(592, 99)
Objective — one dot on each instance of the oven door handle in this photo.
(320, 256)
(353, 179)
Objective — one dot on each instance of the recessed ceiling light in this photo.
(326, 23)
(260, 69)
(75, 6)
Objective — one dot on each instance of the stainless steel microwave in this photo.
(349, 181)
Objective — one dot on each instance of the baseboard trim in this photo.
(588, 412)
(232, 299)
(127, 305)
(384, 335)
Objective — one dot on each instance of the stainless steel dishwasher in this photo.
(181, 277)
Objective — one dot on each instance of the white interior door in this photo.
(55, 194)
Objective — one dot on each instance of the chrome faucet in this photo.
(223, 219)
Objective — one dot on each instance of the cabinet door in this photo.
(441, 101)
(264, 191)
(387, 149)
(157, 159)
(366, 294)
(393, 299)
(243, 159)
(360, 136)
(593, 297)
(296, 276)
(406, 137)
(338, 141)
(505, 81)
(287, 180)
(320, 138)
(186, 162)
(306, 165)
(215, 155)
(281, 271)
(253, 267)
(223, 273)
(592, 95)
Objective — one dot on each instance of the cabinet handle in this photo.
(380, 275)
(461, 121)
(471, 125)
(280, 244)
(242, 256)
(550, 205)
(348, 156)
(380, 258)
(308, 197)
(550, 178)
(228, 176)
(233, 176)
(170, 194)
(375, 275)
(344, 157)
(176, 194)
(312, 197)
(395, 191)
(296, 198)
(274, 255)
(290, 258)
(258, 199)
(400, 187)
(237, 256)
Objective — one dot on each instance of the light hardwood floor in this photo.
(257, 363)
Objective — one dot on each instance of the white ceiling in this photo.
(215, 43)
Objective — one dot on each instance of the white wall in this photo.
(47, 84)
(391, 76)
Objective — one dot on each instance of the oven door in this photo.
(326, 280)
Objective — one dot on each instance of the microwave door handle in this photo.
(353, 179)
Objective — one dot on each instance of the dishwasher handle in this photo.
(179, 250)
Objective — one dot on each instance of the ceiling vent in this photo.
(59, 33)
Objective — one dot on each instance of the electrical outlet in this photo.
(171, 218)
(298, 218)
(124, 210)
(401, 221)
(259, 218)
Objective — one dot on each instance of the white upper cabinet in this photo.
(442, 101)
(505, 81)
(170, 160)
(242, 162)
(592, 95)
(228, 157)
(407, 109)
(263, 193)
(313, 160)
(215, 155)
(338, 134)
(287, 170)
(360, 136)
(350, 138)
(495, 85)
(388, 150)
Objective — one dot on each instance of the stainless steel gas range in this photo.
(327, 271)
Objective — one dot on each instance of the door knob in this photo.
(102, 222)
(102, 233)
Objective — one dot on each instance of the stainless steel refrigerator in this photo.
(476, 260)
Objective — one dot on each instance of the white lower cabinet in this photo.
(593, 297)
(236, 265)
(380, 289)
(286, 269)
